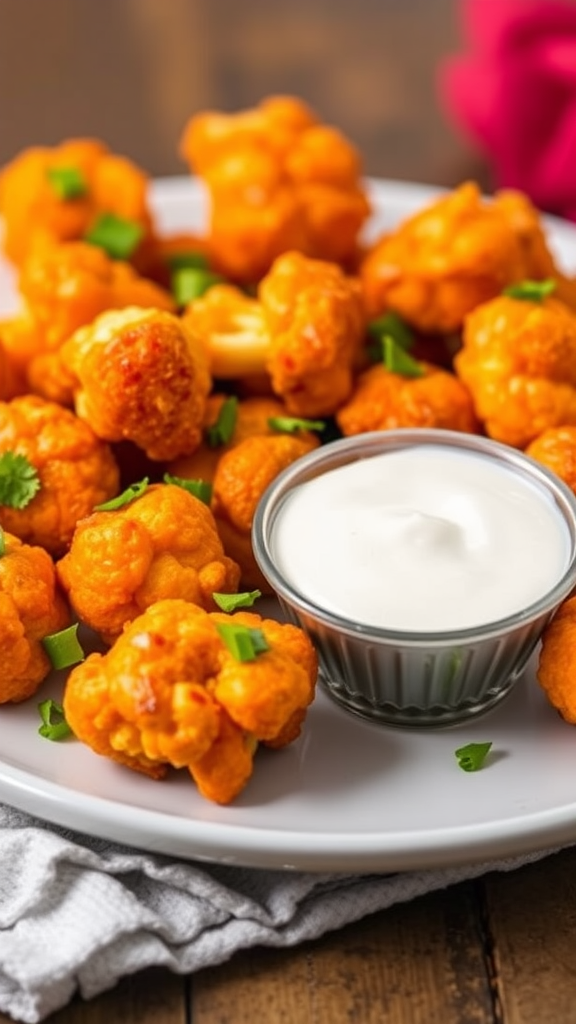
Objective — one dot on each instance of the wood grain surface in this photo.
(500, 950)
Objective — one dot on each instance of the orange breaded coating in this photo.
(232, 329)
(316, 320)
(277, 179)
(556, 449)
(31, 607)
(242, 475)
(518, 361)
(76, 470)
(556, 671)
(383, 400)
(36, 215)
(457, 252)
(252, 416)
(141, 376)
(169, 692)
(63, 288)
(162, 545)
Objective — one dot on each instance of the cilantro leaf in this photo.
(19, 480)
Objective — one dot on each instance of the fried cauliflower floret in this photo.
(252, 419)
(556, 449)
(36, 215)
(141, 376)
(315, 317)
(242, 475)
(278, 179)
(232, 329)
(454, 254)
(383, 400)
(518, 360)
(63, 288)
(75, 469)
(169, 692)
(162, 545)
(556, 671)
(31, 607)
(11, 382)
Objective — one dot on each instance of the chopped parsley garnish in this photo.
(531, 291)
(231, 602)
(221, 431)
(130, 494)
(67, 182)
(118, 237)
(392, 326)
(54, 725)
(189, 283)
(397, 360)
(19, 480)
(199, 488)
(290, 424)
(64, 648)
(471, 757)
(244, 644)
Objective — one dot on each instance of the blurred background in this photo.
(131, 72)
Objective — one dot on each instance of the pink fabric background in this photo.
(513, 93)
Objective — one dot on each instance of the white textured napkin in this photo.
(77, 912)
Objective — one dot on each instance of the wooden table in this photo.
(499, 950)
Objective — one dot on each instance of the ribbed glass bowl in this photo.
(402, 677)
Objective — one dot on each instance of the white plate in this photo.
(349, 795)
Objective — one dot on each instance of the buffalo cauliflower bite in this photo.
(242, 475)
(252, 419)
(383, 400)
(76, 470)
(141, 376)
(556, 671)
(303, 332)
(555, 448)
(63, 288)
(37, 214)
(232, 329)
(163, 544)
(277, 180)
(316, 321)
(170, 693)
(454, 254)
(31, 608)
(518, 361)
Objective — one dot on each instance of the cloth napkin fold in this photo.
(81, 913)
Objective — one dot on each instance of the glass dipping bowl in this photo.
(402, 677)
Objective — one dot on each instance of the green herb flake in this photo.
(19, 480)
(531, 291)
(221, 431)
(118, 237)
(64, 648)
(189, 283)
(291, 424)
(181, 260)
(130, 494)
(231, 602)
(200, 489)
(397, 360)
(54, 725)
(2, 543)
(67, 182)
(244, 644)
(392, 326)
(471, 757)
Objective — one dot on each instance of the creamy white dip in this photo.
(425, 538)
